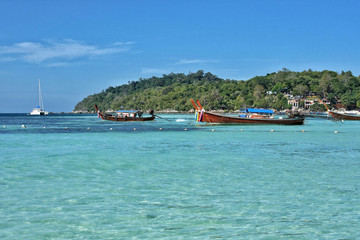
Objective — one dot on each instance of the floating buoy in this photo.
(336, 132)
(213, 130)
(160, 129)
(88, 128)
(302, 130)
(185, 129)
(110, 129)
(66, 128)
(241, 130)
(134, 129)
(4, 126)
(272, 130)
(44, 127)
(23, 126)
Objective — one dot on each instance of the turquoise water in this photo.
(105, 180)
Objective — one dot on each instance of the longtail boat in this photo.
(209, 117)
(342, 116)
(125, 116)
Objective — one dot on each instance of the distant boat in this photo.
(125, 116)
(261, 117)
(39, 110)
(344, 116)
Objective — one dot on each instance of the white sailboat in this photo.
(39, 110)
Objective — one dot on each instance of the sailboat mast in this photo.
(41, 103)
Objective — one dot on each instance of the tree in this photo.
(300, 90)
(316, 107)
(258, 91)
(324, 84)
(277, 88)
(348, 100)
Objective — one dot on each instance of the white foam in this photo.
(180, 120)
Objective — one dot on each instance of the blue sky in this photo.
(79, 47)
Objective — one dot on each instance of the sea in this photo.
(75, 176)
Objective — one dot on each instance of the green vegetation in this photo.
(173, 91)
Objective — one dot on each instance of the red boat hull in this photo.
(341, 116)
(217, 118)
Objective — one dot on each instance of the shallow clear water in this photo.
(84, 178)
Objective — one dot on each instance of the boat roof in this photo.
(255, 110)
(128, 111)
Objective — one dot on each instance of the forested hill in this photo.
(173, 91)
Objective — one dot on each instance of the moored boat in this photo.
(125, 116)
(344, 116)
(39, 110)
(210, 117)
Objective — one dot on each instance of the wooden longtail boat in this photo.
(125, 116)
(209, 117)
(342, 116)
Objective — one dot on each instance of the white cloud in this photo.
(193, 61)
(123, 43)
(7, 59)
(48, 52)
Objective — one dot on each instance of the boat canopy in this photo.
(127, 111)
(263, 111)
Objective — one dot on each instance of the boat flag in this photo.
(201, 116)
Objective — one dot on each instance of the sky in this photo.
(78, 48)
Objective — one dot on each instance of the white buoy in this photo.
(241, 130)
(4, 126)
(110, 129)
(272, 130)
(44, 127)
(336, 132)
(302, 130)
(185, 129)
(134, 129)
(88, 128)
(213, 130)
(160, 129)
(23, 126)
(66, 128)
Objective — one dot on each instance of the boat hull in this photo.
(217, 118)
(341, 116)
(109, 117)
(125, 119)
(38, 112)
